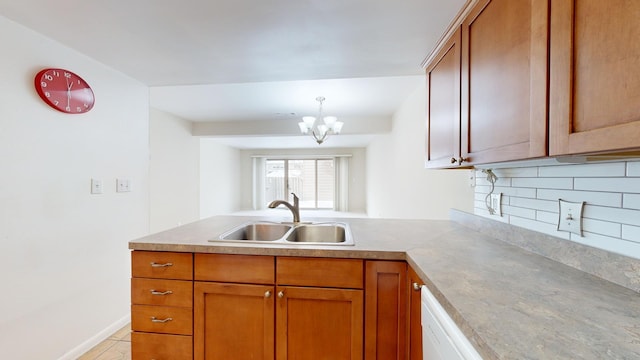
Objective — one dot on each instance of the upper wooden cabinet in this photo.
(487, 86)
(595, 77)
(443, 105)
(504, 81)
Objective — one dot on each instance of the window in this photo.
(312, 180)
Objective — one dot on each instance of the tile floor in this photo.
(116, 347)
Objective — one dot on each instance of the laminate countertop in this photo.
(510, 302)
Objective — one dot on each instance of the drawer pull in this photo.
(267, 294)
(416, 286)
(281, 294)
(156, 292)
(154, 320)
(156, 265)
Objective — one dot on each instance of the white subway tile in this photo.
(500, 182)
(594, 198)
(631, 233)
(633, 168)
(584, 170)
(627, 185)
(543, 183)
(544, 205)
(547, 217)
(518, 211)
(619, 246)
(519, 192)
(617, 215)
(602, 227)
(631, 201)
(538, 226)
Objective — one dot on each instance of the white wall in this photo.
(357, 174)
(611, 192)
(220, 178)
(174, 172)
(398, 185)
(64, 261)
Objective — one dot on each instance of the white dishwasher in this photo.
(441, 337)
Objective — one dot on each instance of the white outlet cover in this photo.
(123, 185)
(570, 216)
(496, 200)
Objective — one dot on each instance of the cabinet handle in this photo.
(461, 160)
(417, 286)
(154, 320)
(156, 265)
(454, 160)
(267, 294)
(281, 294)
(156, 292)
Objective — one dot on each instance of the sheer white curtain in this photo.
(341, 193)
(258, 183)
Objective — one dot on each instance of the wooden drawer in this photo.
(168, 319)
(320, 272)
(162, 292)
(248, 269)
(162, 265)
(160, 347)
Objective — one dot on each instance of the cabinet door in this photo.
(385, 311)
(413, 314)
(595, 77)
(443, 105)
(504, 81)
(318, 323)
(233, 321)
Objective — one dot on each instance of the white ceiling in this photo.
(258, 60)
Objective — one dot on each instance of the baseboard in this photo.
(79, 350)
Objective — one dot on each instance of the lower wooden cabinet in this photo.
(318, 323)
(233, 321)
(414, 337)
(385, 310)
(161, 346)
(281, 308)
(313, 309)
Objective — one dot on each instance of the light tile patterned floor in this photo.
(116, 347)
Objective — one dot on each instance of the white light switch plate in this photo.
(570, 216)
(96, 186)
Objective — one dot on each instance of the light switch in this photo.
(123, 185)
(570, 216)
(96, 186)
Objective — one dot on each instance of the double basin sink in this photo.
(321, 233)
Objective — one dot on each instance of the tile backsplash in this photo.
(610, 190)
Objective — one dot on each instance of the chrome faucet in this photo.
(295, 209)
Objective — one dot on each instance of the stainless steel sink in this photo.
(318, 233)
(325, 233)
(261, 231)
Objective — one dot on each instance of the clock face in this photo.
(64, 91)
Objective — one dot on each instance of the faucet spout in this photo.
(295, 208)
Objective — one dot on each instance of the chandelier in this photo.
(322, 131)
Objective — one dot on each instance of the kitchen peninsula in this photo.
(510, 303)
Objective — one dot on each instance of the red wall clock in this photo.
(64, 91)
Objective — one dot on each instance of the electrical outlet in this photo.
(123, 185)
(472, 178)
(496, 200)
(96, 186)
(570, 216)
